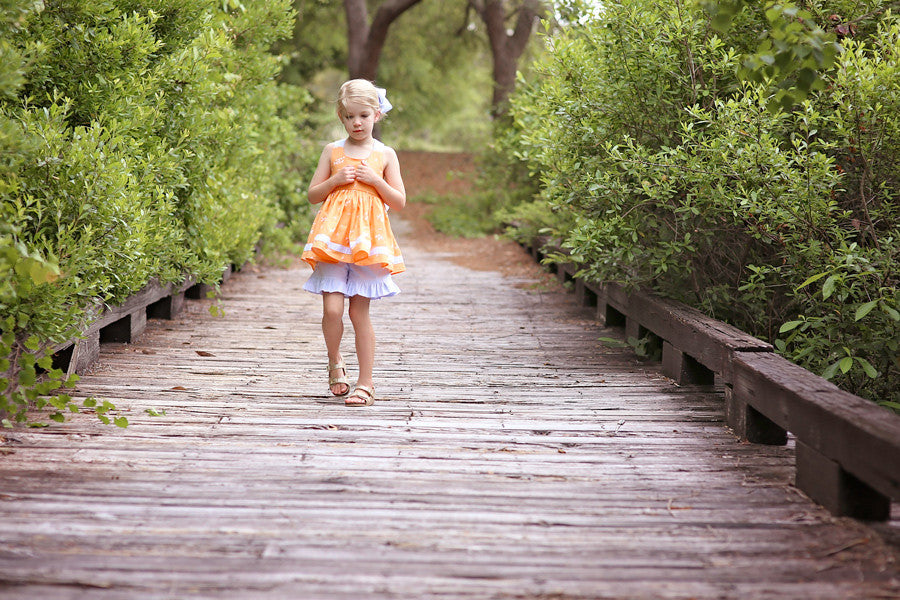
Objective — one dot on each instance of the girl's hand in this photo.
(366, 174)
(345, 176)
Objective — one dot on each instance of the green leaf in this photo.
(789, 326)
(865, 309)
(121, 422)
(867, 367)
(893, 314)
(41, 272)
(27, 377)
(830, 372)
(846, 364)
(58, 417)
(812, 279)
(828, 287)
(7, 423)
(105, 407)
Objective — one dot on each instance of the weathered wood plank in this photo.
(768, 393)
(846, 439)
(510, 455)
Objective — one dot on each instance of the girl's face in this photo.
(358, 119)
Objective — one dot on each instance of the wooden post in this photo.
(611, 317)
(750, 424)
(633, 328)
(606, 312)
(166, 308)
(595, 296)
(85, 352)
(823, 480)
(199, 291)
(684, 369)
(581, 293)
(564, 272)
(590, 297)
(125, 329)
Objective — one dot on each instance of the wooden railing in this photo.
(847, 448)
(126, 321)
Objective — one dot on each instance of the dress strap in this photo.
(377, 145)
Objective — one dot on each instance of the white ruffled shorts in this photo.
(351, 280)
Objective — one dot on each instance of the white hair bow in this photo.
(384, 104)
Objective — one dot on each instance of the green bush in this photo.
(462, 215)
(140, 141)
(679, 176)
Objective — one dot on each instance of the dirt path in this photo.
(453, 173)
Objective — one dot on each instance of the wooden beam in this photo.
(710, 342)
(166, 308)
(826, 482)
(842, 439)
(118, 323)
(683, 368)
(750, 424)
(859, 436)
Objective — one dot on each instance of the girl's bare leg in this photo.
(365, 338)
(333, 330)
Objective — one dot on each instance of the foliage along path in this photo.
(510, 455)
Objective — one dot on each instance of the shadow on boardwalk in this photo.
(510, 455)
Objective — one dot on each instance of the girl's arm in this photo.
(390, 188)
(323, 181)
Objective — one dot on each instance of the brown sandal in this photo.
(334, 380)
(362, 395)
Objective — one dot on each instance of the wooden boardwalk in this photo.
(511, 455)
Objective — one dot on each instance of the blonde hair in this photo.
(361, 91)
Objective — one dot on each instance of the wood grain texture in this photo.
(855, 433)
(510, 455)
(842, 439)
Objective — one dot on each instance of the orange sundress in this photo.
(352, 225)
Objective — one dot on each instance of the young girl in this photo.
(351, 246)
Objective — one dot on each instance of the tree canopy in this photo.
(436, 60)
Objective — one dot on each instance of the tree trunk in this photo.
(506, 48)
(357, 34)
(365, 41)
